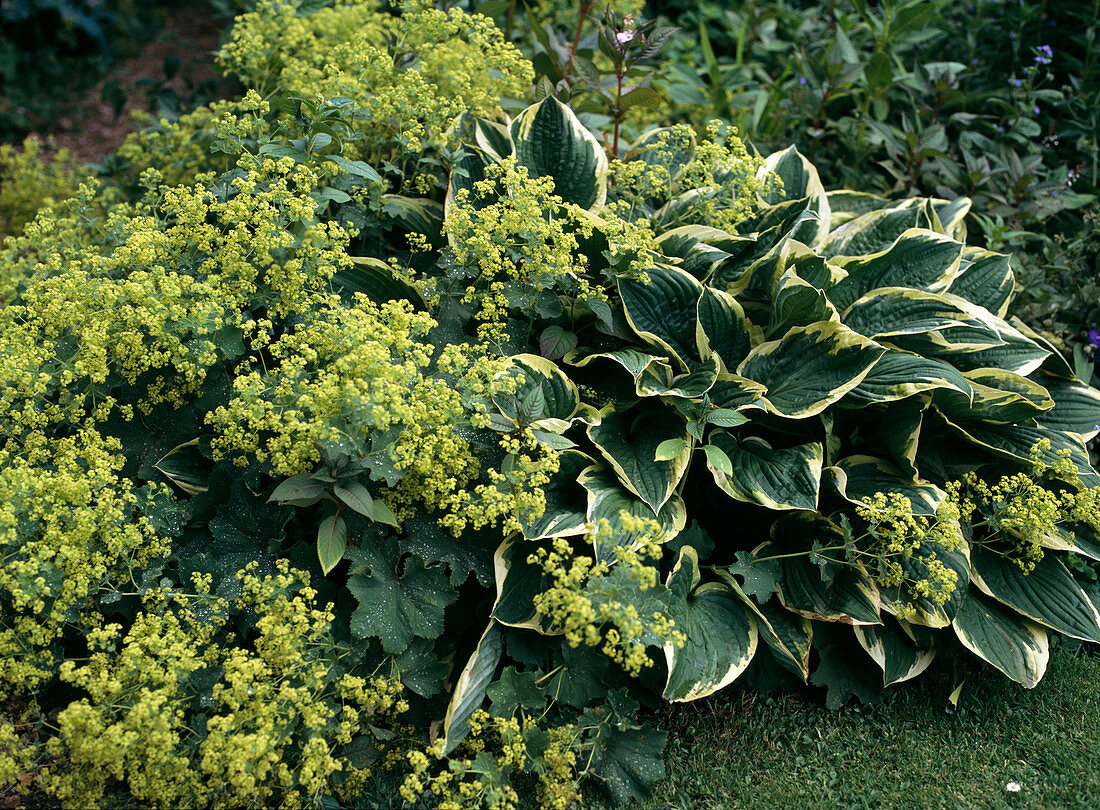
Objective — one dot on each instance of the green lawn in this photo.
(747, 750)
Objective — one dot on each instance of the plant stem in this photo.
(585, 8)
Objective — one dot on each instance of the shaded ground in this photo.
(93, 128)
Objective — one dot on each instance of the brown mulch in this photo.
(92, 130)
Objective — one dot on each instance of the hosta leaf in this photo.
(775, 478)
(898, 375)
(552, 142)
(846, 205)
(796, 302)
(722, 328)
(721, 636)
(663, 310)
(1048, 595)
(920, 259)
(986, 279)
(786, 634)
(1014, 442)
(542, 391)
(799, 179)
(470, 690)
(997, 396)
(851, 598)
(1016, 646)
(731, 392)
(1076, 408)
(415, 215)
(919, 609)
(631, 448)
(396, 604)
(873, 231)
(186, 467)
(608, 498)
(810, 367)
(864, 476)
(1014, 352)
(564, 515)
(896, 653)
(518, 582)
(889, 311)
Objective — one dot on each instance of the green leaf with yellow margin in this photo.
(899, 374)
(810, 367)
(1017, 647)
(663, 310)
(895, 652)
(631, 448)
(786, 478)
(721, 635)
(471, 687)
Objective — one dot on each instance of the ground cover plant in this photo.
(394, 422)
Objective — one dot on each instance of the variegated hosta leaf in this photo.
(608, 499)
(889, 311)
(1055, 364)
(787, 635)
(876, 230)
(470, 690)
(518, 582)
(997, 396)
(552, 142)
(777, 479)
(722, 328)
(920, 259)
(543, 397)
(1017, 647)
(921, 610)
(850, 598)
(810, 367)
(663, 310)
(1048, 595)
(986, 279)
(630, 445)
(701, 248)
(1076, 408)
(732, 392)
(897, 654)
(721, 633)
(861, 477)
(799, 180)
(899, 374)
(1014, 443)
(186, 467)
(1014, 351)
(797, 302)
(845, 205)
(565, 514)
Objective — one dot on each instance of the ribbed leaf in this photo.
(721, 635)
(1048, 595)
(631, 448)
(518, 582)
(552, 142)
(777, 479)
(873, 231)
(986, 279)
(897, 655)
(565, 512)
(786, 634)
(851, 598)
(608, 499)
(864, 476)
(797, 302)
(810, 367)
(663, 310)
(889, 311)
(899, 374)
(997, 396)
(722, 328)
(1014, 442)
(1076, 408)
(920, 259)
(1017, 647)
(799, 180)
(188, 469)
(541, 391)
(470, 690)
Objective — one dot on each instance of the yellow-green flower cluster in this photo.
(902, 542)
(725, 175)
(585, 601)
(31, 181)
(463, 782)
(410, 74)
(278, 710)
(68, 528)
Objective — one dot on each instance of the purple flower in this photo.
(1094, 337)
(802, 80)
(1043, 54)
(1035, 110)
(1017, 83)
